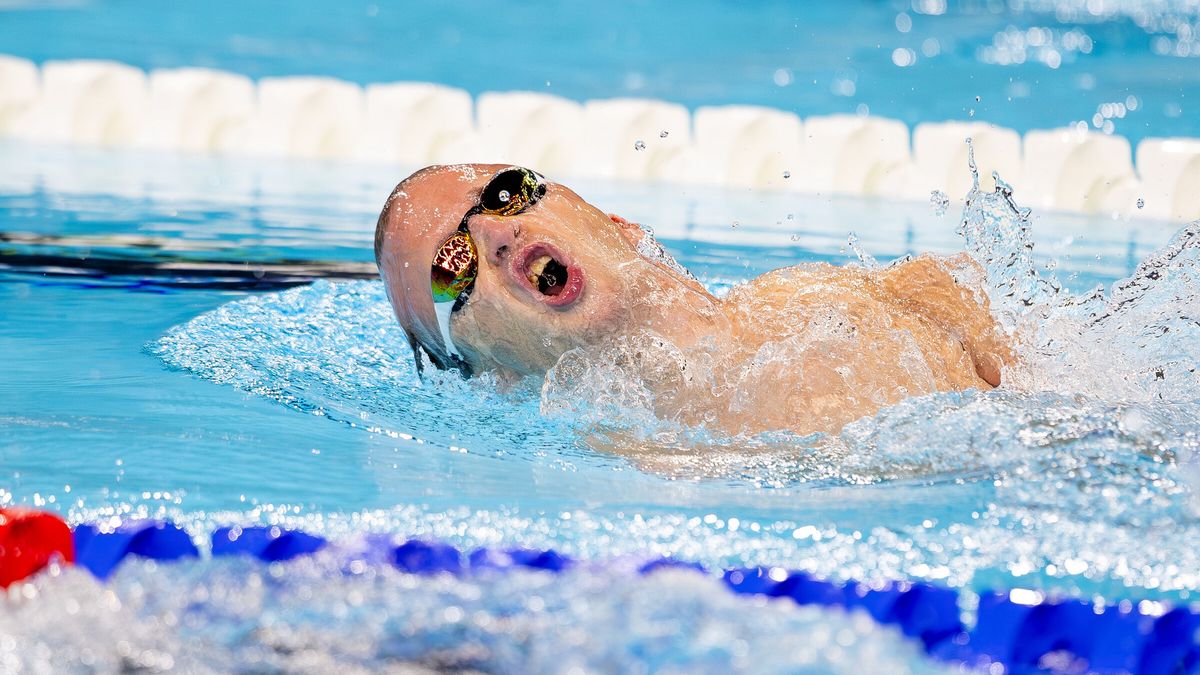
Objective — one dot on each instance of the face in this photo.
(556, 275)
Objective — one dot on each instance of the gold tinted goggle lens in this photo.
(456, 262)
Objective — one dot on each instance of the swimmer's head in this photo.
(550, 273)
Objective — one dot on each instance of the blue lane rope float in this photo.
(269, 544)
(102, 551)
(1018, 629)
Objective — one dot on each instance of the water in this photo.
(1116, 66)
(219, 617)
(125, 396)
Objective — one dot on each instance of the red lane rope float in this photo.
(30, 540)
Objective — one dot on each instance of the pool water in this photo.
(196, 398)
(1021, 64)
(204, 340)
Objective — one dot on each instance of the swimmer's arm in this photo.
(926, 284)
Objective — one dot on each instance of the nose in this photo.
(496, 235)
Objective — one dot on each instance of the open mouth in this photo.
(547, 273)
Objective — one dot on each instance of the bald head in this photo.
(421, 212)
(552, 276)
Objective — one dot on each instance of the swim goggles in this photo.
(452, 277)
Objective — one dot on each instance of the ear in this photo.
(632, 231)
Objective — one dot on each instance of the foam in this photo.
(313, 616)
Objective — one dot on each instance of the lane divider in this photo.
(105, 103)
(1018, 629)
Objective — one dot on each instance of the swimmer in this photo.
(493, 268)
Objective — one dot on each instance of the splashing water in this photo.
(939, 201)
(865, 259)
(1076, 474)
(310, 616)
(1139, 341)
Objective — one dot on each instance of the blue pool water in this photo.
(247, 394)
(197, 400)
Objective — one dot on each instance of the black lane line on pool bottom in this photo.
(149, 263)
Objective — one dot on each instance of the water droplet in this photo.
(971, 112)
(735, 224)
(795, 237)
(663, 134)
(504, 196)
(1141, 203)
(639, 145)
(787, 174)
(978, 98)
(939, 201)
(790, 216)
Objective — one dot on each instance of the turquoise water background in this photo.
(191, 398)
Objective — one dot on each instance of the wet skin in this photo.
(805, 348)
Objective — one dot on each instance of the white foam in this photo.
(1170, 170)
(849, 154)
(748, 146)
(199, 110)
(613, 129)
(414, 123)
(86, 102)
(306, 117)
(1082, 171)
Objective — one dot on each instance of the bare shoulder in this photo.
(958, 273)
(949, 291)
(802, 279)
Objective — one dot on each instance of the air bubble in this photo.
(639, 146)
(504, 196)
(787, 174)
(663, 134)
(735, 224)
(1141, 203)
